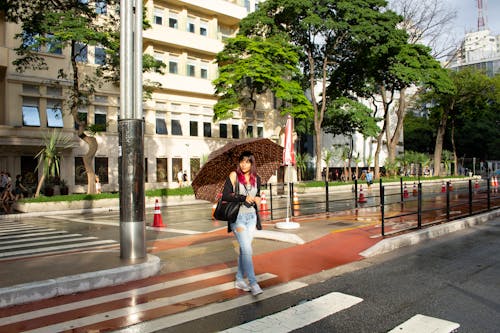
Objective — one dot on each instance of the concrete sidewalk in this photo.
(36, 278)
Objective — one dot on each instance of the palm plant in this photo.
(327, 157)
(301, 161)
(49, 156)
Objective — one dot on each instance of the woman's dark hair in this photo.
(253, 169)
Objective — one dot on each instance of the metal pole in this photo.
(355, 193)
(327, 207)
(131, 134)
(382, 209)
(447, 201)
(419, 210)
(271, 200)
(470, 196)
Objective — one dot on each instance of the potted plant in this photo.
(63, 187)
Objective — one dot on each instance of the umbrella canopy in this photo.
(288, 152)
(209, 181)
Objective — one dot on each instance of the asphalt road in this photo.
(454, 278)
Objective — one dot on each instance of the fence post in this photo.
(488, 192)
(401, 189)
(382, 210)
(419, 211)
(290, 194)
(356, 193)
(448, 201)
(327, 207)
(271, 199)
(470, 196)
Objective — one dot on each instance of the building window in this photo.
(101, 169)
(223, 130)
(204, 71)
(260, 131)
(158, 16)
(191, 25)
(191, 69)
(99, 56)
(204, 28)
(100, 118)
(161, 170)
(249, 131)
(31, 89)
(207, 130)
(172, 20)
(193, 128)
(53, 45)
(101, 7)
(80, 173)
(54, 91)
(158, 56)
(31, 114)
(175, 125)
(176, 167)
(235, 131)
(161, 124)
(54, 113)
(173, 65)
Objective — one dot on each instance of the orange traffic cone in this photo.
(415, 191)
(296, 204)
(495, 187)
(443, 187)
(157, 222)
(405, 192)
(264, 210)
(361, 198)
(476, 184)
(450, 186)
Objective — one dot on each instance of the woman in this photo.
(243, 185)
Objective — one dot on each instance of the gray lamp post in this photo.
(131, 133)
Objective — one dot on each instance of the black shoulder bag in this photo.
(228, 210)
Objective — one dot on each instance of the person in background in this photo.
(180, 178)
(98, 188)
(369, 178)
(20, 190)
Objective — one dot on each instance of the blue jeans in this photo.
(244, 228)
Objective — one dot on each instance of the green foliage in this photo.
(346, 116)
(49, 156)
(418, 133)
(251, 66)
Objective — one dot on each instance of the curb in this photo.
(66, 285)
(391, 244)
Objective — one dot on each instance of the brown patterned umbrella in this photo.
(209, 181)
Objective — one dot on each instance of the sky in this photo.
(467, 14)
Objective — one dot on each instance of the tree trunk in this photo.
(438, 148)
(90, 141)
(39, 186)
(455, 157)
(392, 143)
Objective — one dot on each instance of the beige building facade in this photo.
(179, 130)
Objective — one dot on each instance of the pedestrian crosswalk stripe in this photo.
(21, 236)
(300, 315)
(422, 324)
(210, 309)
(47, 237)
(117, 296)
(56, 248)
(46, 242)
(137, 309)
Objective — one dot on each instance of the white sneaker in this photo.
(255, 288)
(240, 284)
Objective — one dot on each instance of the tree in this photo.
(327, 157)
(473, 92)
(58, 26)
(328, 34)
(49, 156)
(418, 133)
(301, 160)
(250, 67)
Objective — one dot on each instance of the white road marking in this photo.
(211, 309)
(300, 315)
(117, 296)
(47, 237)
(56, 248)
(42, 233)
(47, 242)
(135, 310)
(425, 324)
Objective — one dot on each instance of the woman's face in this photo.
(245, 165)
